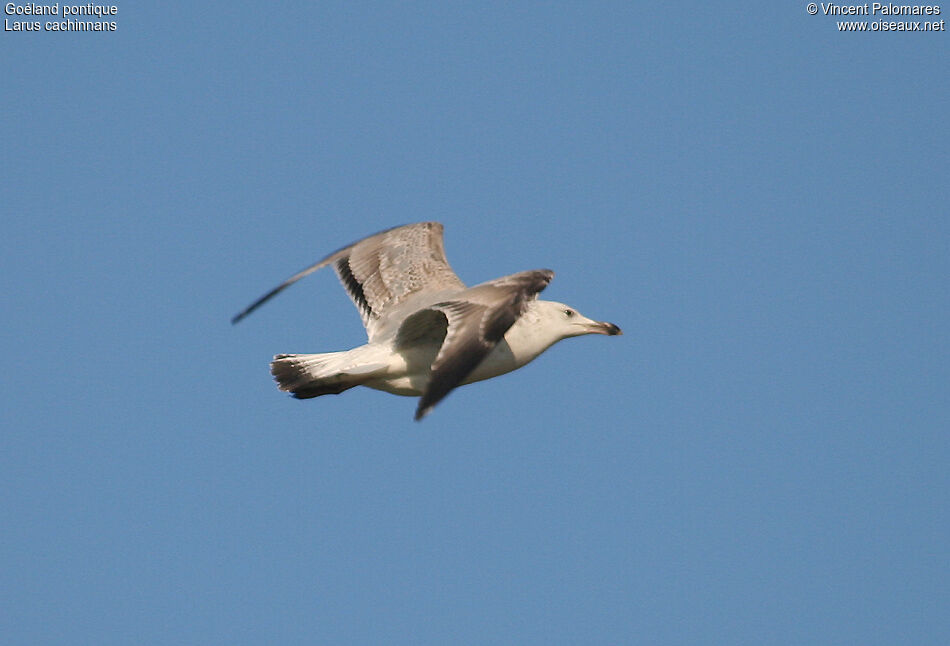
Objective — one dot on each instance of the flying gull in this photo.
(427, 331)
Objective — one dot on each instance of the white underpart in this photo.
(541, 326)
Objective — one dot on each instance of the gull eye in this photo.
(568, 313)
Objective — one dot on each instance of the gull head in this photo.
(562, 321)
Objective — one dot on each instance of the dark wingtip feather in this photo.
(421, 412)
(237, 318)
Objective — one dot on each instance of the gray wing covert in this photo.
(476, 323)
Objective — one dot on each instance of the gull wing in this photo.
(381, 271)
(477, 321)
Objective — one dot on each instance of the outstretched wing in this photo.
(477, 321)
(381, 271)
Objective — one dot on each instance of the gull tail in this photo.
(311, 375)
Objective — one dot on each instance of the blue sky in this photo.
(759, 201)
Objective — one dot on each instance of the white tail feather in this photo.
(312, 375)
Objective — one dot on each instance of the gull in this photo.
(427, 332)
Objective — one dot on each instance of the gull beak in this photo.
(602, 327)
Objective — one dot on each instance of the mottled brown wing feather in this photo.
(382, 270)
